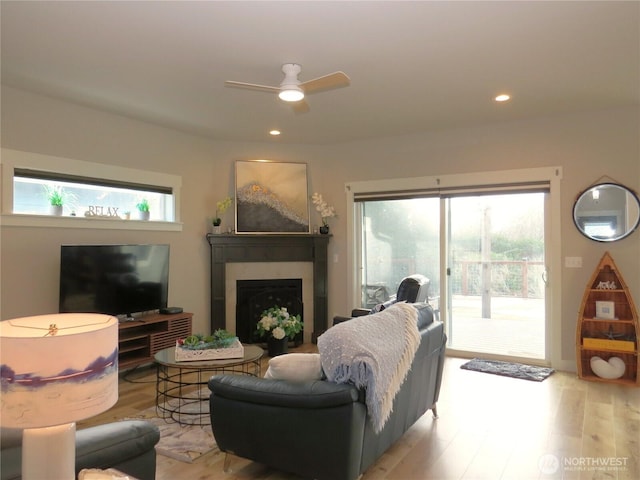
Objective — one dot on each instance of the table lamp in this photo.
(55, 370)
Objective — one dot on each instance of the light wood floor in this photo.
(490, 427)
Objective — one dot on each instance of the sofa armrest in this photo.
(282, 393)
(356, 312)
(313, 429)
(11, 463)
(128, 446)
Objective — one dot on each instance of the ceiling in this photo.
(414, 66)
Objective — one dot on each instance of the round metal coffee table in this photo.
(182, 394)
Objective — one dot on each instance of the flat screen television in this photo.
(117, 280)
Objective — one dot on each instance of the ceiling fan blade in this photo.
(327, 82)
(251, 86)
(300, 107)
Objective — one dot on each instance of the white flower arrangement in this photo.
(278, 323)
(326, 210)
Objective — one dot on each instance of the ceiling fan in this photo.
(294, 91)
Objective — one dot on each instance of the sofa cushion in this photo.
(425, 315)
(297, 367)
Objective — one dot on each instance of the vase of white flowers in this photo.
(326, 212)
(277, 347)
(277, 326)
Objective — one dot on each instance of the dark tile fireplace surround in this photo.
(269, 248)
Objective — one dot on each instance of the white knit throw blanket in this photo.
(374, 352)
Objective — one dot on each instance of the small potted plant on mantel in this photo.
(221, 207)
(326, 212)
(143, 209)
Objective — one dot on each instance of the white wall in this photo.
(587, 146)
(30, 256)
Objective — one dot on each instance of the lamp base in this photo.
(49, 453)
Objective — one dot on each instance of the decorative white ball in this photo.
(614, 368)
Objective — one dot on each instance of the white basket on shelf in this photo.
(235, 350)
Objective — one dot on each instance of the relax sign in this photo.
(100, 211)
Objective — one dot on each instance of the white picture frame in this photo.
(605, 310)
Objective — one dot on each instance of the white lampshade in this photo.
(56, 370)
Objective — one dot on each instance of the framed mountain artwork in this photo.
(271, 197)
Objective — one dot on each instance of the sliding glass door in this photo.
(480, 241)
(495, 269)
(399, 238)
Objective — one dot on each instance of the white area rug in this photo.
(182, 442)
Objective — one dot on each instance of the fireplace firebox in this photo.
(255, 296)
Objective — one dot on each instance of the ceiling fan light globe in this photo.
(291, 94)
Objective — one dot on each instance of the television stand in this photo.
(140, 339)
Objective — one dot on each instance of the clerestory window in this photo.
(42, 190)
(43, 193)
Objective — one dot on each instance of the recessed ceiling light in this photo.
(503, 98)
(275, 133)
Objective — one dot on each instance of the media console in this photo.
(140, 339)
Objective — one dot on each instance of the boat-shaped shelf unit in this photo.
(607, 328)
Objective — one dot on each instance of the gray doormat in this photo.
(508, 369)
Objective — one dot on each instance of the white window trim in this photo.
(553, 175)
(11, 160)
